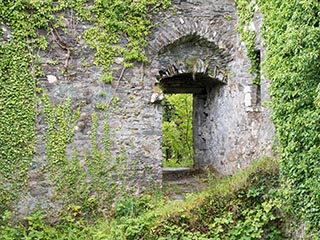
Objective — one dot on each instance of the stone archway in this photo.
(196, 77)
(194, 60)
(203, 55)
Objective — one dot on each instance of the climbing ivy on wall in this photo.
(117, 20)
(291, 32)
(16, 119)
(67, 174)
(246, 10)
(100, 166)
(17, 94)
(23, 24)
(291, 37)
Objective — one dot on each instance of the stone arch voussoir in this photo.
(181, 29)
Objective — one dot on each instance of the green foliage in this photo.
(246, 9)
(126, 21)
(291, 37)
(133, 206)
(66, 174)
(91, 198)
(60, 127)
(16, 120)
(177, 141)
(245, 206)
(18, 69)
(36, 227)
(291, 33)
(24, 26)
(101, 169)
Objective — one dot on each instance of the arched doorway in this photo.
(194, 77)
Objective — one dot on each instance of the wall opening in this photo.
(177, 132)
(193, 81)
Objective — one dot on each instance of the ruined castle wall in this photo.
(231, 125)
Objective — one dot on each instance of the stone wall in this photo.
(231, 126)
(68, 74)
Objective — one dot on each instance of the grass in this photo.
(235, 205)
(176, 163)
(189, 218)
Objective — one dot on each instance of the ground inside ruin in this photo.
(182, 181)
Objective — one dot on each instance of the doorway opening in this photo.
(185, 88)
(177, 133)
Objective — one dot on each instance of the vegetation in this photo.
(177, 144)
(115, 20)
(245, 206)
(242, 207)
(17, 103)
(246, 10)
(16, 120)
(25, 26)
(291, 37)
(292, 62)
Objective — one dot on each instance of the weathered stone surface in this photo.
(227, 119)
(231, 126)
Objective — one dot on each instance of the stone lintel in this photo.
(188, 83)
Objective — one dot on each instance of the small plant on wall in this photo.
(177, 146)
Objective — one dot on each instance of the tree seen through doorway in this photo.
(177, 144)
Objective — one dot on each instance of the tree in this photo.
(177, 144)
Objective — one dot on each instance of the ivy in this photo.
(66, 174)
(126, 21)
(291, 38)
(291, 33)
(101, 168)
(18, 20)
(24, 24)
(245, 206)
(246, 9)
(18, 71)
(16, 119)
